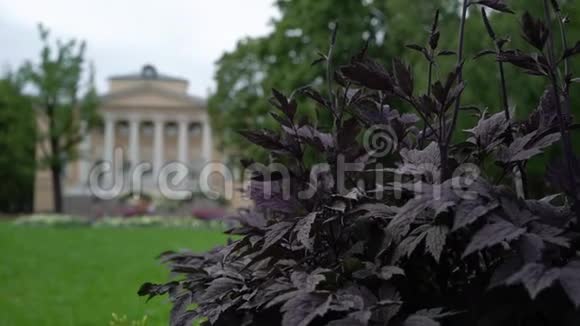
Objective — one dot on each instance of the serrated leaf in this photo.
(523, 148)
(306, 281)
(358, 318)
(493, 234)
(304, 226)
(303, 308)
(219, 288)
(347, 299)
(178, 310)
(320, 140)
(489, 130)
(387, 272)
(570, 281)
(435, 240)
(469, 211)
(534, 65)
(369, 73)
(186, 318)
(410, 243)
(535, 277)
(418, 320)
(275, 233)
(530, 247)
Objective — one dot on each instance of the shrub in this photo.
(420, 229)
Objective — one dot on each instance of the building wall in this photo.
(146, 100)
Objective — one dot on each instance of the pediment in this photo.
(151, 97)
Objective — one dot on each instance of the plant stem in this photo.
(504, 96)
(447, 135)
(564, 41)
(329, 70)
(429, 81)
(566, 140)
(506, 109)
(522, 176)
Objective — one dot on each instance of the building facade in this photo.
(149, 121)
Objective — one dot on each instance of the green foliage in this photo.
(281, 59)
(17, 145)
(65, 103)
(245, 75)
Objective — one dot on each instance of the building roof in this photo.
(195, 100)
(148, 72)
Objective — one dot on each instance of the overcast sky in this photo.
(180, 37)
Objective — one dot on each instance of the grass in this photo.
(80, 276)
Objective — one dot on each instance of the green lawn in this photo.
(80, 276)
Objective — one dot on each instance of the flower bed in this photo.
(54, 220)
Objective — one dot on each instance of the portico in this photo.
(151, 120)
(187, 129)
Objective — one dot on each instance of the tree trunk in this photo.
(57, 188)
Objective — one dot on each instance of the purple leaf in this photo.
(535, 277)
(499, 5)
(534, 31)
(403, 77)
(275, 234)
(303, 308)
(469, 211)
(358, 318)
(304, 226)
(368, 73)
(493, 234)
(435, 240)
(570, 281)
(418, 320)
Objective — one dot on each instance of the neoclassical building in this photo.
(148, 119)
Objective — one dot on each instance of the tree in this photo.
(17, 145)
(257, 64)
(281, 58)
(58, 83)
(393, 239)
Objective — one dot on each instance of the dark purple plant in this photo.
(402, 238)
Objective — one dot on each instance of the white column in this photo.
(84, 156)
(183, 142)
(134, 141)
(206, 141)
(109, 139)
(109, 147)
(158, 147)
